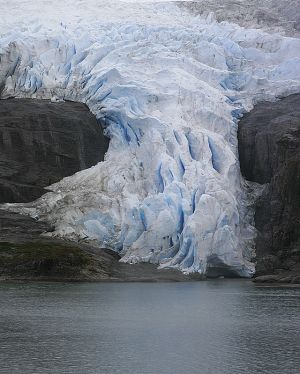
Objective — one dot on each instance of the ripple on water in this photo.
(215, 327)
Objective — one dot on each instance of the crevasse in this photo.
(169, 88)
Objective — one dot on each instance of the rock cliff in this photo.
(269, 149)
(41, 142)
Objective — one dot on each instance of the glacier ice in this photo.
(169, 88)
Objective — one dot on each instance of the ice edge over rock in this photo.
(169, 95)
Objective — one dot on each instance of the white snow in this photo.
(169, 87)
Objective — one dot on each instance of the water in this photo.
(214, 327)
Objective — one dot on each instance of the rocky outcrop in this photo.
(25, 254)
(271, 15)
(269, 149)
(41, 142)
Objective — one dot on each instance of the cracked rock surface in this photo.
(42, 142)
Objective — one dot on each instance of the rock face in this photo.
(269, 149)
(42, 142)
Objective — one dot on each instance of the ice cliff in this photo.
(169, 87)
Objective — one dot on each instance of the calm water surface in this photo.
(214, 327)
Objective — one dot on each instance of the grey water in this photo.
(213, 327)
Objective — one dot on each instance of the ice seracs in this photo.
(169, 88)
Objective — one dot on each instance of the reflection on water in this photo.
(214, 327)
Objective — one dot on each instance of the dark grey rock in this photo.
(42, 142)
(269, 149)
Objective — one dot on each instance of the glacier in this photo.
(169, 87)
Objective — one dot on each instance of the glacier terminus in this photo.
(169, 86)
